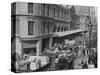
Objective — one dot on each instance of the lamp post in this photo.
(90, 32)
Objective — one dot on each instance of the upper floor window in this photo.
(58, 13)
(13, 26)
(64, 15)
(54, 29)
(53, 12)
(62, 28)
(48, 25)
(58, 29)
(43, 9)
(48, 11)
(67, 28)
(30, 7)
(30, 28)
(44, 25)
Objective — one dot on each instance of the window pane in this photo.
(62, 15)
(14, 26)
(30, 7)
(30, 28)
(58, 29)
(43, 9)
(58, 13)
(53, 12)
(48, 27)
(62, 28)
(54, 30)
(48, 11)
(44, 27)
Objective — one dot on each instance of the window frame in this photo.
(43, 9)
(31, 31)
(30, 8)
(48, 10)
(58, 13)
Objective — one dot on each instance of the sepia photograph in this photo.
(53, 37)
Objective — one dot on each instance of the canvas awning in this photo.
(60, 34)
(70, 42)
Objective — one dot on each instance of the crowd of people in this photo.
(62, 56)
(65, 55)
(87, 65)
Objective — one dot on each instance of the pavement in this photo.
(78, 60)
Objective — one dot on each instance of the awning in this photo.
(35, 38)
(70, 42)
(60, 34)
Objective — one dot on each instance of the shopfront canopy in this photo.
(65, 33)
(70, 42)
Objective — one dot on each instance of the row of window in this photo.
(46, 11)
(56, 13)
(60, 29)
(46, 29)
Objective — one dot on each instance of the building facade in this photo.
(33, 25)
(46, 36)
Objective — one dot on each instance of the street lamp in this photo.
(90, 32)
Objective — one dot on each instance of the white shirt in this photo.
(91, 66)
(33, 66)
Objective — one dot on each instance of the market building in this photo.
(38, 29)
(34, 24)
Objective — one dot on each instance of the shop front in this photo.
(29, 47)
(31, 55)
(45, 44)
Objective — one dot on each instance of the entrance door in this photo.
(45, 43)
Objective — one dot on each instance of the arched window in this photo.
(62, 28)
(58, 29)
(54, 29)
(67, 28)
